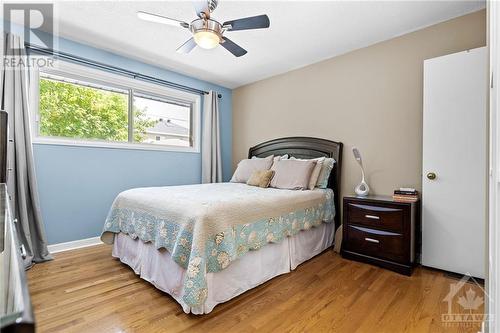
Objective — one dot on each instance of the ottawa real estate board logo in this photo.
(465, 304)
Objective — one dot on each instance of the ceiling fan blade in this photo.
(202, 8)
(161, 19)
(254, 22)
(187, 47)
(232, 47)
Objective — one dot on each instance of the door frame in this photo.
(493, 277)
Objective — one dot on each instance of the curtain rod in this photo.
(113, 69)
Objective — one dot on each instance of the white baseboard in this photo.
(54, 248)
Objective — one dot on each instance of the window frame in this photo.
(98, 77)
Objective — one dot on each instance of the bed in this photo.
(205, 244)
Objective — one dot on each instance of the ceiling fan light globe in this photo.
(206, 39)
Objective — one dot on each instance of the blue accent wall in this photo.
(77, 185)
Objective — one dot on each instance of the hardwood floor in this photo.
(87, 291)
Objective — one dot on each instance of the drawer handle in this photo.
(373, 217)
(372, 240)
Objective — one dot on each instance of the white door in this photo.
(454, 150)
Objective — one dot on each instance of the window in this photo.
(161, 122)
(78, 110)
(83, 106)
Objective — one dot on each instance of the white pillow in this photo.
(326, 168)
(292, 174)
(248, 166)
(316, 172)
(276, 158)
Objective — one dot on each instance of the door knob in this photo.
(431, 175)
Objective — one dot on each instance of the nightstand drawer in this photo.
(376, 216)
(376, 243)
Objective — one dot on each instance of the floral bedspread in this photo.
(206, 227)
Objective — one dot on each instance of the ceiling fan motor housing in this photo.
(206, 25)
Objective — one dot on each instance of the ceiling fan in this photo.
(207, 32)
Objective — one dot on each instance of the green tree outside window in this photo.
(75, 111)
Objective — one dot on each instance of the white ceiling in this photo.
(301, 32)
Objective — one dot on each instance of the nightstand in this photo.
(380, 231)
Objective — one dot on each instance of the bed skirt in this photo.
(249, 271)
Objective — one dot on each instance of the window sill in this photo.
(114, 145)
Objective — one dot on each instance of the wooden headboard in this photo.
(305, 147)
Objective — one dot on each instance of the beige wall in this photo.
(370, 98)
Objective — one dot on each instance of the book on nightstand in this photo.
(405, 195)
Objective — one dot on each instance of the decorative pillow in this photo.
(248, 166)
(324, 175)
(315, 173)
(292, 174)
(261, 178)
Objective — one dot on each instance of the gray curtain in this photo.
(21, 180)
(211, 162)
